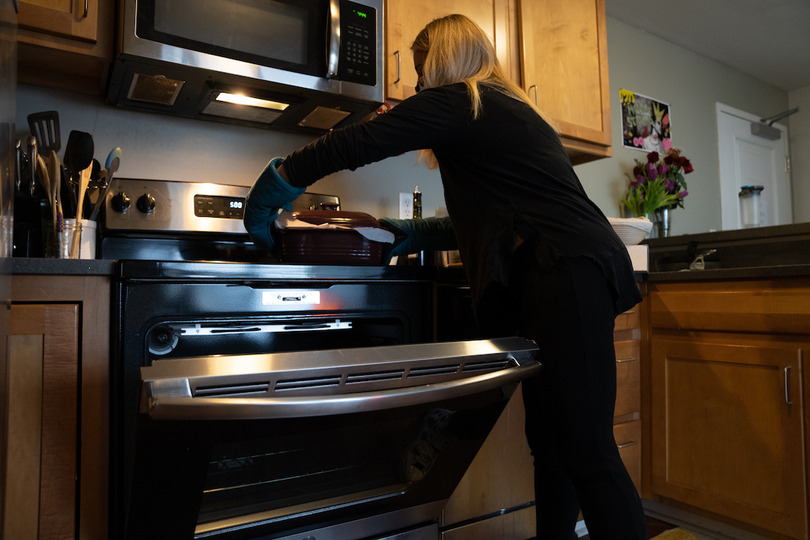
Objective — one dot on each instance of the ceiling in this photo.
(766, 39)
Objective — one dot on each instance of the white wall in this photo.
(691, 84)
(799, 126)
(169, 148)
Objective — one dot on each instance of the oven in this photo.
(260, 400)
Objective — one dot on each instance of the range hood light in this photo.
(253, 102)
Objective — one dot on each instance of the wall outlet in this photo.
(405, 205)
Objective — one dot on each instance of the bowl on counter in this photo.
(631, 230)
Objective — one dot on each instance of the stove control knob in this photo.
(145, 203)
(120, 203)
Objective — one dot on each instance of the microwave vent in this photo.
(154, 89)
(323, 118)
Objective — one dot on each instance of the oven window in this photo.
(250, 478)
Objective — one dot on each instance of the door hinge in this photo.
(787, 164)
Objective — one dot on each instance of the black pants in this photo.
(569, 312)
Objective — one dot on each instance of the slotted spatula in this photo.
(45, 127)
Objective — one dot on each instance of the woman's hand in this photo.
(269, 194)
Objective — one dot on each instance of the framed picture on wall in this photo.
(646, 123)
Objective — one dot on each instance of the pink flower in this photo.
(683, 194)
(670, 185)
(662, 169)
(640, 180)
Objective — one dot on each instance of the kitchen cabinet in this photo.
(65, 44)
(58, 408)
(627, 412)
(564, 67)
(556, 50)
(727, 409)
(405, 19)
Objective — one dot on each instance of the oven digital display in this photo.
(217, 206)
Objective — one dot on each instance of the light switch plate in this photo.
(405, 206)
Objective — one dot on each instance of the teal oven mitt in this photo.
(269, 194)
(415, 235)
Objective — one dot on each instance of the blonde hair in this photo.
(458, 50)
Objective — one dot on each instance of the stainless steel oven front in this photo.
(297, 402)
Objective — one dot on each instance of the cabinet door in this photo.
(727, 429)
(43, 366)
(564, 65)
(76, 19)
(500, 477)
(404, 19)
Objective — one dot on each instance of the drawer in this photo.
(762, 306)
(519, 525)
(629, 320)
(628, 438)
(628, 377)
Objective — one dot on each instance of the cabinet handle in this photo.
(399, 69)
(625, 445)
(623, 360)
(631, 312)
(16, 5)
(86, 10)
(787, 386)
(535, 92)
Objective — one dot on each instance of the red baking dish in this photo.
(331, 246)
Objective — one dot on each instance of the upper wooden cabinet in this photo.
(564, 66)
(74, 19)
(405, 19)
(65, 44)
(556, 50)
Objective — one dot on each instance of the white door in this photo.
(747, 159)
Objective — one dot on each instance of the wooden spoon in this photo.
(84, 181)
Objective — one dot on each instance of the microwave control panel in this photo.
(358, 28)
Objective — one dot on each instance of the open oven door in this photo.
(328, 444)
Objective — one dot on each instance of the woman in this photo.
(541, 258)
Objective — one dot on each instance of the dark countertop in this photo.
(756, 253)
(759, 253)
(86, 267)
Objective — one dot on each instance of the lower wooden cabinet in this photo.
(43, 367)
(58, 408)
(500, 477)
(727, 406)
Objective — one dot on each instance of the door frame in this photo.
(729, 199)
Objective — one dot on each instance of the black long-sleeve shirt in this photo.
(504, 172)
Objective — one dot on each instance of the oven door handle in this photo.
(179, 404)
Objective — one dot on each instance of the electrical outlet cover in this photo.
(405, 206)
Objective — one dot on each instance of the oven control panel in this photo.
(165, 206)
(217, 206)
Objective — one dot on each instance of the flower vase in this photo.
(662, 221)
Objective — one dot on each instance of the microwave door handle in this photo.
(333, 41)
(176, 402)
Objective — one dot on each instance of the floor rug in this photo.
(680, 534)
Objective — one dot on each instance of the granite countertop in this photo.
(86, 267)
(757, 253)
(760, 253)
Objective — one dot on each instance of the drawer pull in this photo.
(631, 312)
(787, 386)
(625, 445)
(623, 360)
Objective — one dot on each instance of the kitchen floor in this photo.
(654, 528)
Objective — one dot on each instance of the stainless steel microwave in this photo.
(284, 64)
